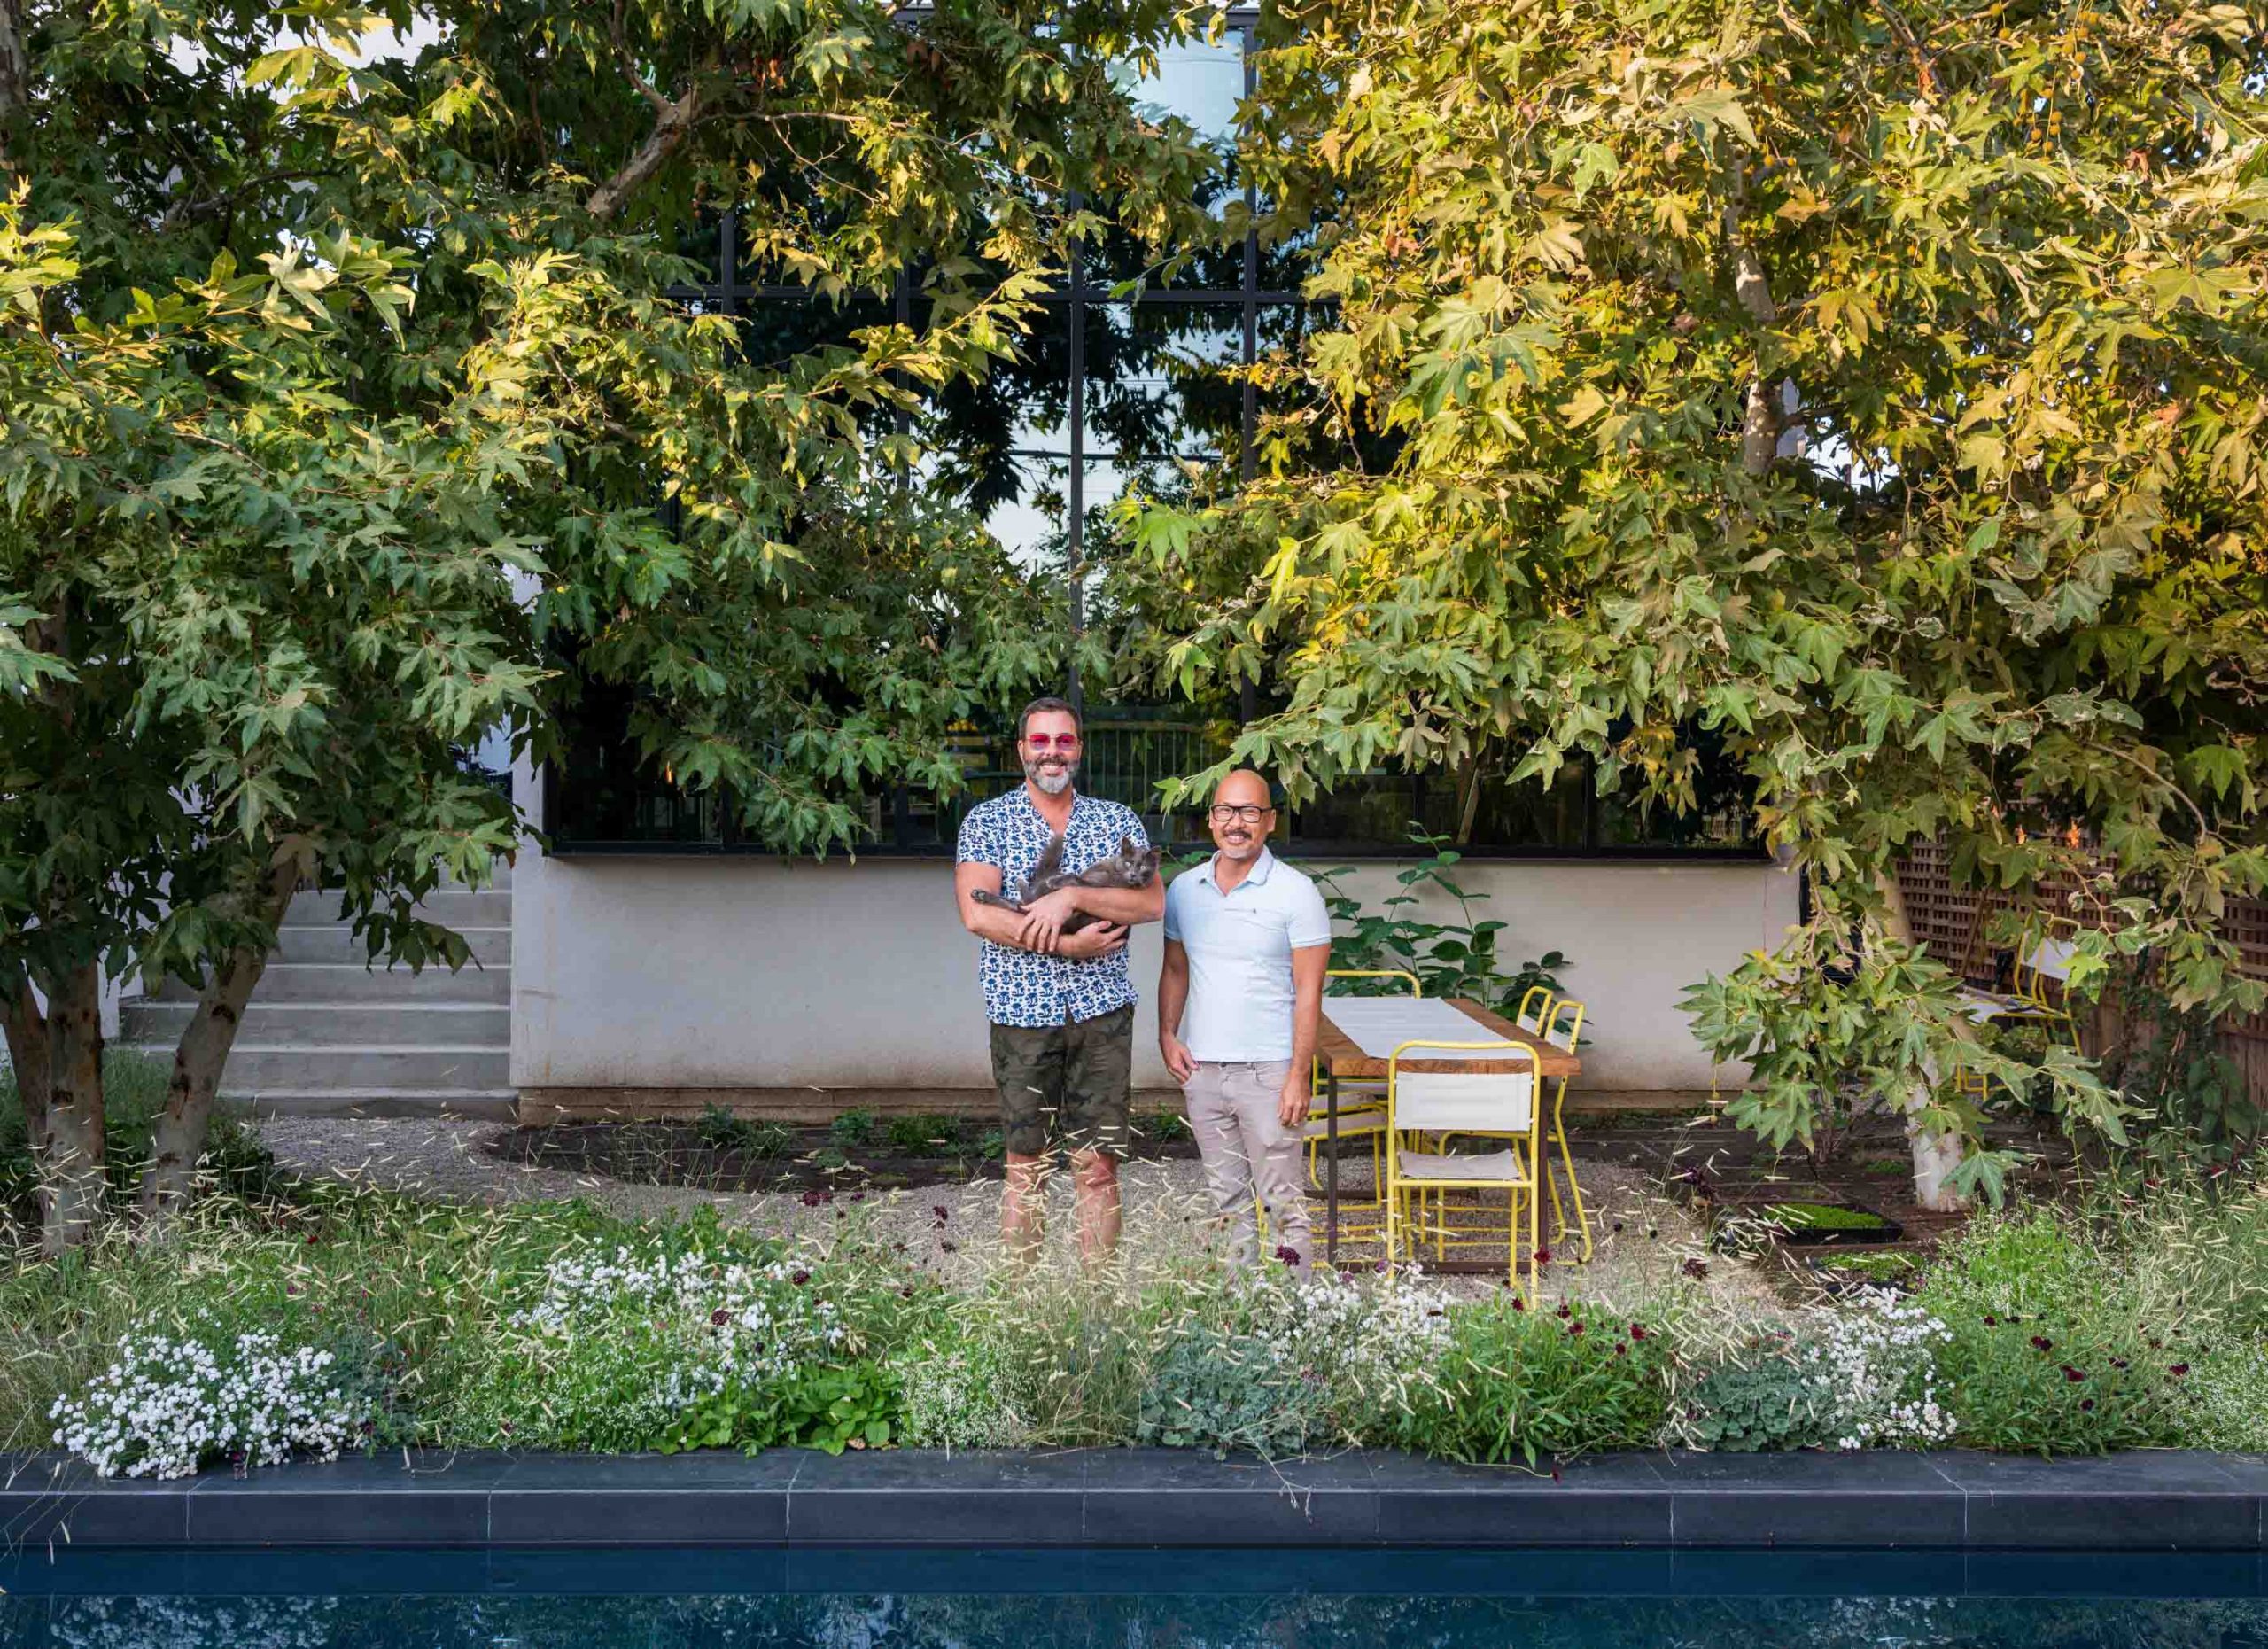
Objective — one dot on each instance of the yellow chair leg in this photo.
(1534, 1210)
(1574, 1186)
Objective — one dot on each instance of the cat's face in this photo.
(1130, 867)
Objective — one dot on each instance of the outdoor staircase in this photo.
(326, 1033)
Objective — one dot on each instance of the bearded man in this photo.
(1061, 1005)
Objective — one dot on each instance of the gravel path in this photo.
(1641, 1239)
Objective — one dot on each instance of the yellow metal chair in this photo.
(1439, 1103)
(1535, 1010)
(2042, 977)
(1362, 1116)
(1563, 1028)
(1361, 1105)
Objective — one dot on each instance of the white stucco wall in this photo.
(693, 972)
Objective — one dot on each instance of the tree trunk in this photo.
(1935, 1155)
(71, 1171)
(28, 1058)
(15, 71)
(202, 1055)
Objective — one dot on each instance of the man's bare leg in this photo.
(1024, 1207)
(1094, 1176)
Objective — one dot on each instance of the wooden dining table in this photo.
(1357, 1046)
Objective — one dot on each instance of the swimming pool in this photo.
(873, 1598)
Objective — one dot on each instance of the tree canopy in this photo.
(355, 413)
(1876, 390)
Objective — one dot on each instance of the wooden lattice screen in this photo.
(1953, 922)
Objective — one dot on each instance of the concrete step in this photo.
(452, 908)
(453, 1025)
(351, 981)
(335, 942)
(256, 1068)
(489, 1104)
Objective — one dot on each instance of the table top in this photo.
(1347, 1059)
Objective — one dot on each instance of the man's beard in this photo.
(1050, 783)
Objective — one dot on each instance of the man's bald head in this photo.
(1242, 788)
(1242, 831)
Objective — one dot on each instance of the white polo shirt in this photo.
(1240, 946)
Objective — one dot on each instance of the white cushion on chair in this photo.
(1495, 1168)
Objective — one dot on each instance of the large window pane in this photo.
(1160, 379)
(1202, 83)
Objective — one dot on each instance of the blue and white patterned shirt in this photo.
(1023, 987)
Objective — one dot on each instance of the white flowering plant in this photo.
(664, 1344)
(174, 1399)
(1863, 1374)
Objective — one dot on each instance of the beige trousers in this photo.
(1247, 1147)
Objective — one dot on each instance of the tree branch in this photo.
(646, 88)
(1761, 424)
(673, 123)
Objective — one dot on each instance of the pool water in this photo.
(1158, 1599)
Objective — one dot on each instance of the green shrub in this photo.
(854, 1128)
(924, 1133)
(2059, 1341)
(859, 1406)
(2225, 1399)
(1769, 1398)
(1510, 1383)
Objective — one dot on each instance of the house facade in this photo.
(659, 964)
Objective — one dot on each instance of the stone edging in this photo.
(1116, 1497)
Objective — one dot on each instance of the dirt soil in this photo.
(807, 1159)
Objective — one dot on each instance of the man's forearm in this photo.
(1172, 996)
(1306, 1028)
(995, 923)
(1124, 906)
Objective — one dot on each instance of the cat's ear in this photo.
(1126, 846)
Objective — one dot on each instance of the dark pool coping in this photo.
(1953, 1500)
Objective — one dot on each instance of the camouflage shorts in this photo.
(1065, 1084)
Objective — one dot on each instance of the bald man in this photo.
(1247, 943)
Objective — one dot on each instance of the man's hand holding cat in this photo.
(1043, 920)
(1087, 942)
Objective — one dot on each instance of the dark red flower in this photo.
(1619, 1348)
(950, 1247)
(720, 1317)
(1543, 1257)
(1566, 1310)
(811, 1199)
(800, 1278)
(1287, 1254)
(1574, 1330)
(2087, 1406)
(2179, 1370)
(1518, 1304)
(2041, 1343)
(1637, 1333)
(1991, 1321)
(1617, 1227)
(2074, 1376)
(940, 1212)
(2118, 1362)
(1697, 1268)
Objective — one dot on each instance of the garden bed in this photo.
(723, 1153)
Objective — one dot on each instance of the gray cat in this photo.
(1128, 868)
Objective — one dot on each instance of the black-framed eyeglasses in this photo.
(1250, 812)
